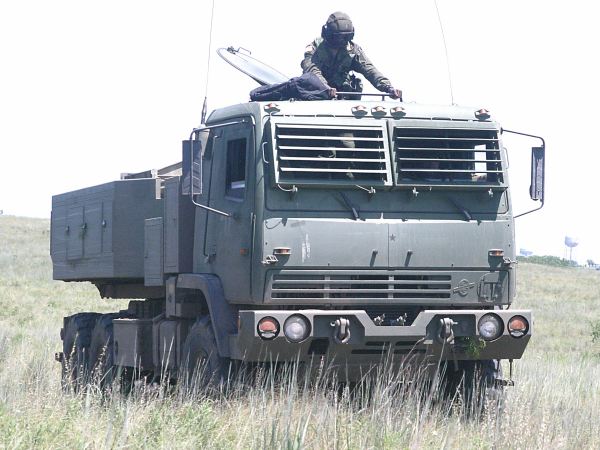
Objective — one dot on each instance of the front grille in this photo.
(345, 285)
(445, 155)
(331, 154)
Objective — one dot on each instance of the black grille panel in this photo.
(300, 286)
(458, 156)
(331, 154)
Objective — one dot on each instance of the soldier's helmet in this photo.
(338, 30)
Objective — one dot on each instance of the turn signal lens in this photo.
(496, 252)
(518, 326)
(268, 328)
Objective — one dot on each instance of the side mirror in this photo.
(536, 190)
(191, 165)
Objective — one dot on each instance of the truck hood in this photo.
(386, 244)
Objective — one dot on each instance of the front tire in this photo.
(201, 366)
(475, 382)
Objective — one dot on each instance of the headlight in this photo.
(490, 327)
(518, 326)
(268, 328)
(296, 328)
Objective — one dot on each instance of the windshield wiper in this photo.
(465, 212)
(350, 205)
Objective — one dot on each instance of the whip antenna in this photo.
(446, 50)
(204, 105)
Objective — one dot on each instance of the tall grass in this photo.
(554, 404)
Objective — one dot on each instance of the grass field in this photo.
(555, 403)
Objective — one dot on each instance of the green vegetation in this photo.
(596, 331)
(547, 260)
(555, 403)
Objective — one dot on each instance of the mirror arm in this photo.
(533, 210)
(208, 208)
(504, 130)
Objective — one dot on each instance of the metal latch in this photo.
(269, 259)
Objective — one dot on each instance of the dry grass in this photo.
(555, 403)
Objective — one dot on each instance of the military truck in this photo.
(337, 231)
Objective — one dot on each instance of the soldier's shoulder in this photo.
(310, 48)
(355, 48)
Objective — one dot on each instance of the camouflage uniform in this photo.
(333, 66)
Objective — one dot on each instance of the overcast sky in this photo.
(90, 89)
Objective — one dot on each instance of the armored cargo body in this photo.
(293, 231)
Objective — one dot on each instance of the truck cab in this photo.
(339, 230)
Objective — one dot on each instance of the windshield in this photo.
(411, 167)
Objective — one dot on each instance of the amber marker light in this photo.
(359, 110)
(268, 328)
(518, 326)
(397, 111)
(482, 114)
(378, 111)
(271, 107)
(496, 252)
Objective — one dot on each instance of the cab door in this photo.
(229, 238)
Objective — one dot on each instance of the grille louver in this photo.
(457, 156)
(347, 286)
(331, 154)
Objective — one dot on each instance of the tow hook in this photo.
(341, 330)
(446, 334)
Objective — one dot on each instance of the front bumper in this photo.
(368, 341)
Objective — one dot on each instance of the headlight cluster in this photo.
(491, 327)
(296, 328)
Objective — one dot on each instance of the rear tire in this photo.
(101, 351)
(76, 347)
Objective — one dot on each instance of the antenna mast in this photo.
(446, 50)
(204, 105)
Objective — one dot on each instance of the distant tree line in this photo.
(548, 260)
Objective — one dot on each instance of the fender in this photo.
(221, 312)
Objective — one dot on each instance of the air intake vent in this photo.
(331, 154)
(448, 156)
(346, 286)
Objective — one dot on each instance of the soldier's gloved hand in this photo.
(332, 92)
(395, 93)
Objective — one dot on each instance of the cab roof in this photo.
(348, 109)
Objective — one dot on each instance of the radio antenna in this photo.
(204, 105)
(446, 50)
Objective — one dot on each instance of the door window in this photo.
(235, 177)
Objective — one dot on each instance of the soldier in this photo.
(332, 56)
